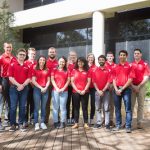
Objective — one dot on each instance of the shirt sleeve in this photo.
(147, 70)
(11, 70)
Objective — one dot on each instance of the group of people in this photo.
(32, 84)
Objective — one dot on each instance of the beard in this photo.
(52, 57)
(101, 64)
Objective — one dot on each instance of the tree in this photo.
(7, 33)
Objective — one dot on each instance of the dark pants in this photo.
(69, 102)
(30, 105)
(92, 104)
(77, 98)
(5, 94)
(15, 97)
(48, 105)
(126, 96)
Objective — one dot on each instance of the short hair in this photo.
(92, 55)
(137, 49)
(21, 50)
(110, 52)
(123, 51)
(31, 49)
(52, 48)
(9, 43)
(102, 56)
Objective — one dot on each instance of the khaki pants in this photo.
(140, 97)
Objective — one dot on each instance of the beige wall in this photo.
(15, 5)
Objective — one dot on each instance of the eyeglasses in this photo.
(22, 54)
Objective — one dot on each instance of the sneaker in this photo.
(128, 130)
(32, 121)
(107, 127)
(26, 124)
(62, 125)
(75, 126)
(1, 127)
(5, 123)
(12, 128)
(37, 127)
(116, 129)
(56, 125)
(71, 121)
(22, 128)
(86, 126)
(68, 122)
(97, 126)
(139, 126)
(43, 126)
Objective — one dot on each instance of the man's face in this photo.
(52, 53)
(101, 62)
(21, 56)
(8, 48)
(122, 57)
(73, 57)
(137, 55)
(110, 57)
(31, 55)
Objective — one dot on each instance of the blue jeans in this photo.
(39, 98)
(1, 104)
(126, 96)
(15, 97)
(59, 103)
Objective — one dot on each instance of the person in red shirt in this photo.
(110, 65)
(138, 85)
(123, 75)
(100, 79)
(92, 67)
(30, 62)
(19, 77)
(51, 63)
(72, 58)
(41, 81)
(5, 60)
(80, 80)
(60, 78)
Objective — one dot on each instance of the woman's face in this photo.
(90, 59)
(42, 62)
(80, 64)
(61, 63)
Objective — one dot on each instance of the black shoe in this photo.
(107, 127)
(56, 125)
(22, 128)
(97, 126)
(62, 125)
(12, 128)
(128, 130)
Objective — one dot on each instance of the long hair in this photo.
(65, 59)
(85, 66)
(38, 66)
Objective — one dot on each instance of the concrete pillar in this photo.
(98, 34)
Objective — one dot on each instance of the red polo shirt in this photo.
(51, 64)
(60, 77)
(122, 72)
(101, 77)
(19, 72)
(92, 70)
(80, 79)
(141, 69)
(71, 67)
(5, 61)
(30, 64)
(110, 67)
(41, 76)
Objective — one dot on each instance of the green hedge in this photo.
(148, 89)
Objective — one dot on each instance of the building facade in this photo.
(87, 26)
